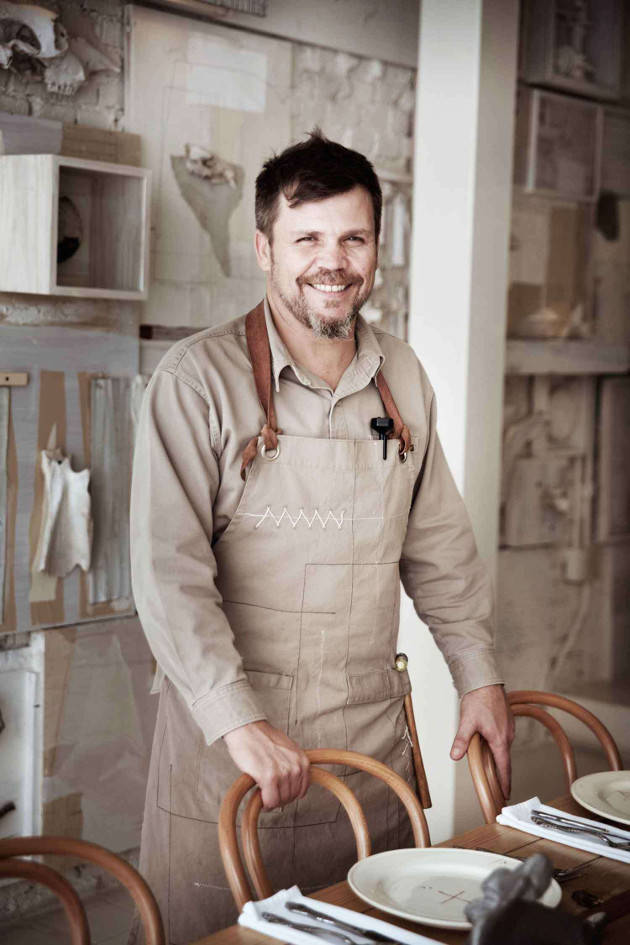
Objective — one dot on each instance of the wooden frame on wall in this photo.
(554, 156)
(575, 50)
(210, 9)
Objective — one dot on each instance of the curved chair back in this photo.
(12, 848)
(228, 842)
(528, 702)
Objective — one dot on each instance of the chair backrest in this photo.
(12, 848)
(228, 843)
(528, 702)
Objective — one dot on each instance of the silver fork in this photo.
(565, 826)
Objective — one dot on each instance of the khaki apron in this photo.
(308, 569)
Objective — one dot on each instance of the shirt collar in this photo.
(368, 359)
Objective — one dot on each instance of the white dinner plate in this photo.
(431, 885)
(606, 793)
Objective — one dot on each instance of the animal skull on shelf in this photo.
(33, 40)
(29, 32)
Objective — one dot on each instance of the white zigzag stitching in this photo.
(302, 515)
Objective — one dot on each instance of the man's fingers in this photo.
(270, 794)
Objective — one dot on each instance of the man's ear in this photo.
(263, 251)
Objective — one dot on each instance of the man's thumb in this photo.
(460, 745)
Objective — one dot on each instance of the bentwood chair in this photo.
(11, 864)
(228, 843)
(528, 702)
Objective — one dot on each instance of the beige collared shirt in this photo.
(199, 411)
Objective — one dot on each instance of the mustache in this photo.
(329, 277)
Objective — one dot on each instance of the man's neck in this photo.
(327, 358)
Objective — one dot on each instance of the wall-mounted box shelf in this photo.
(99, 210)
(576, 47)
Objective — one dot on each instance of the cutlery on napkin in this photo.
(520, 817)
(252, 917)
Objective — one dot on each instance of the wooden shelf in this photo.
(565, 356)
(111, 203)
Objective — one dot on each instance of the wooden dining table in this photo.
(599, 880)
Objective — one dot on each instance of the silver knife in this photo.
(371, 934)
(308, 929)
(618, 834)
(564, 825)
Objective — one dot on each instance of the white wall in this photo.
(462, 192)
(379, 29)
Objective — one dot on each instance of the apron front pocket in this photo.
(274, 695)
(377, 686)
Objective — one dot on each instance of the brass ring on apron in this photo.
(403, 456)
(270, 454)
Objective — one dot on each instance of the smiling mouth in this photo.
(329, 289)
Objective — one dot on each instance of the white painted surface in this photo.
(464, 128)
(383, 29)
(21, 697)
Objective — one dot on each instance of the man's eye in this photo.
(356, 239)
(305, 239)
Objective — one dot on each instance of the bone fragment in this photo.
(65, 75)
(65, 535)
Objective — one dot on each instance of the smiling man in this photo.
(270, 533)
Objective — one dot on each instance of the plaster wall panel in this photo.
(99, 719)
(111, 447)
(204, 275)
(4, 478)
(54, 405)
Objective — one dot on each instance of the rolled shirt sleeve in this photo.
(443, 574)
(174, 485)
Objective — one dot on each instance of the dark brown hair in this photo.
(313, 170)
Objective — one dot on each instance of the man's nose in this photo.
(332, 256)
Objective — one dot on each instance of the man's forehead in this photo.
(352, 208)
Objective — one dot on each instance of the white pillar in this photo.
(461, 209)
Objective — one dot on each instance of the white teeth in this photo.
(329, 288)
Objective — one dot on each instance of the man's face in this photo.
(321, 261)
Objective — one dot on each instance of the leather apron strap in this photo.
(260, 356)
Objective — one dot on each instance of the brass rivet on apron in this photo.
(401, 662)
(270, 454)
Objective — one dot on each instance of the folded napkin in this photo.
(252, 912)
(518, 815)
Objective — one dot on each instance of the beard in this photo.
(339, 327)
